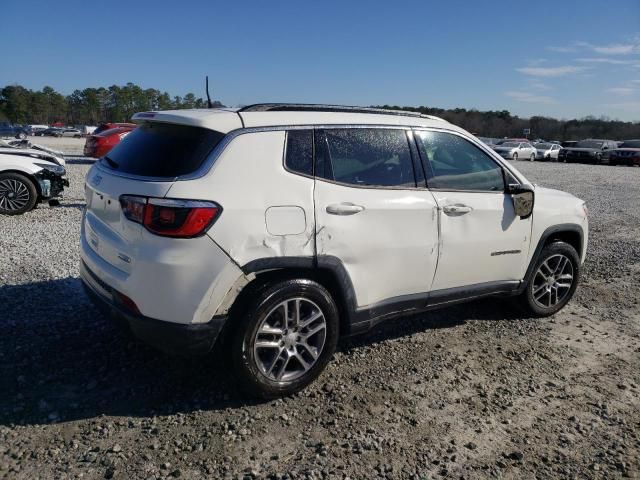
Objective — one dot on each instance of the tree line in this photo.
(90, 106)
(500, 124)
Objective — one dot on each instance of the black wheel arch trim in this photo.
(328, 263)
(550, 231)
(361, 319)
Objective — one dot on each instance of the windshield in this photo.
(630, 144)
(510, 144)
(162, 150)
(543, 146)
(589, 144)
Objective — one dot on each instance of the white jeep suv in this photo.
(276, 228)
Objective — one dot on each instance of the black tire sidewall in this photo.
(249, 377)
(33, 193)
(548, 251)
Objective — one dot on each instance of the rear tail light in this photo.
(171, 218)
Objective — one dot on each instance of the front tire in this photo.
(18, 194)
(515, 156)
(285, 338)
(532, 158)
(553, 282)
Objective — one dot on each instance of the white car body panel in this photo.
(18, 164)
(490, 243)
(180, 282)
(220, 119)
(390, 248)
(548, 153)
(228, 119)
(263, 119)
(243, 229)
(175, 281)
(25, 159)
(548, 213)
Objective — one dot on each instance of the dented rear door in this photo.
(373, 214)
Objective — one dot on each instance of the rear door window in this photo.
(366, 157)
(162, 150)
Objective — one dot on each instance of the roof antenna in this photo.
(207, 88)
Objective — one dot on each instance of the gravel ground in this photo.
(70, 146)
(474, 391)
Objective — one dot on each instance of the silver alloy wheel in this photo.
(14, 195)
(290, 339)
(552, 281)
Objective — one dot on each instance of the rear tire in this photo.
(553, 281)
(18, 194)
(515, 156)
(532, 158)
(284, 338)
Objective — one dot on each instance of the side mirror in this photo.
(523, 199)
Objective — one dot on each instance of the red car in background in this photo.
(109, 125)
(103, 140)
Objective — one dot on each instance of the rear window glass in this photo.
(300, 151)
(101, 128)
(162, 150)
(370, 157)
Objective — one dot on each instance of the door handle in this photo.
(456, 209)
(344, 209)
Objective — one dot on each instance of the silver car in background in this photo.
(516, 150)
(547, 151)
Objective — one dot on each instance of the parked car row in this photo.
(593, 151)
(100, 139)
(59, 132)
(10, 130)
(628, 153)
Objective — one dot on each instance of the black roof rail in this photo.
(312, 107)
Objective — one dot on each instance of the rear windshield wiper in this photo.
(110, 162)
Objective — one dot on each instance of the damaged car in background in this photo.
(29, 174)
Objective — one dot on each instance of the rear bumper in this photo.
(173, 338)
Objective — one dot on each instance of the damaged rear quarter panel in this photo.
(256, 159)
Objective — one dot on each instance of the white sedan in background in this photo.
(547, 151)
(516, 150)
(29, 176)
(70, 132)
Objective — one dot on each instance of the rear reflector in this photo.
(126, 302)
(169, 217)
